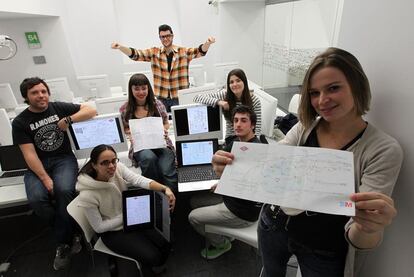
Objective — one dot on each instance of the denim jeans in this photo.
(63, 170)
(217, 215)
(277, 247)
(169, 102)
(159, 165)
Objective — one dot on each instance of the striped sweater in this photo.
(213, 98)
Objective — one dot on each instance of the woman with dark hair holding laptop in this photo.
(100, 185)
(157, 164)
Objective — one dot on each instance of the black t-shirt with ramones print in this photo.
(41, 129)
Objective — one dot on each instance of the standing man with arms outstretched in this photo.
(169, 64)
(40, 132)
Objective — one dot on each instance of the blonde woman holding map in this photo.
(335, 94)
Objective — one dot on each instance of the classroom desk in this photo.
(12, 196)
(15, 195)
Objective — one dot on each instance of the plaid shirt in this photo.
(163, 113)
(168, 83)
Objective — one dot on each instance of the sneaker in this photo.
(62, 257)
(76, 244)
(213, 252)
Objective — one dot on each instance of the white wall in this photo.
(90, 27)
(380, 34)
(197, 21)
(241, 36)
(54, 48)
(39, 7)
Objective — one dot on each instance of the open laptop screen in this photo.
(196, 121)
(102, 129)
(196, 152)
(11, 158)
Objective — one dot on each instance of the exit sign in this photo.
(32, 40)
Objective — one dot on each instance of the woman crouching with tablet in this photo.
(100, 183)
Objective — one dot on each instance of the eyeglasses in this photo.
(107, 163)
(166, 36)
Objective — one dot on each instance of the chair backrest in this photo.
(294, 104)
(6, 128)
(269, 108)
(20, 108)
(78, 215)
(110, 104)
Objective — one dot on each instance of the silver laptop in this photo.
(195, 171)
(13, 165)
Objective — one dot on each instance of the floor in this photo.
(31, 247)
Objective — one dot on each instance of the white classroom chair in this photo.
(247, 235)
(89, 234)
(294, 104)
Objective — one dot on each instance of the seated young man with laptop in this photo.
(40, 132)
(233, 212)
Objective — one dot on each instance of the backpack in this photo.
(285, 123)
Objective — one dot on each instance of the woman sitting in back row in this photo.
(237, 93)
(335, 95)
(157, 164)
(100, 183)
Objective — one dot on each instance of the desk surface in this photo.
(16, 194)
(12, 195)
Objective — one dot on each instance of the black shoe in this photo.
(76, 244)
(62, 257)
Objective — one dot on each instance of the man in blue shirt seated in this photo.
(40, 132)
(233, 212)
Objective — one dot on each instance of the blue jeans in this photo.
(277, 247)
(169, 102)
(63, 170)
(159, 165)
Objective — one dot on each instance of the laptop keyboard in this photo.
(13, 174)
(194, 174)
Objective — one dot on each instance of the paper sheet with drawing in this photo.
(306, 178)
(147, 133)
